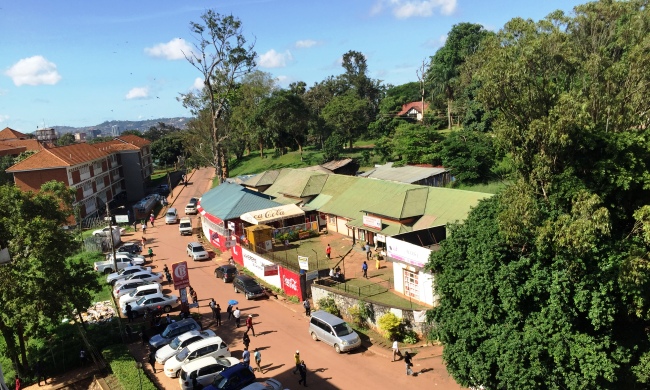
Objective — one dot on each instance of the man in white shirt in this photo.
(237, 315)
(395, 349)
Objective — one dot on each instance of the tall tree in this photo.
(168, 148)
(444, 69)
(222, 56)
(65, 139)
(348, 115)
(286, 113)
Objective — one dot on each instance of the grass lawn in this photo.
(492, 187)
(105, 294)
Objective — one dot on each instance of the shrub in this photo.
(293, 298)
(410, 337)
(390, 325)
(327, 304)
(359, 315)
(123, 367)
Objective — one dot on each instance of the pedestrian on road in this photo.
(296, 358)
(246, 340)
(217, 311)
(152, 219)
(302, 368)
(144, 227)
(135, 226)
(396, 352)
(377, 265)
(144, 242)
(19, 383)
(328, 251)
(212, 307)
(364, 268)
(229, 311)
(368, 252)
(40, 371)
(129, 312)
(150, 254)
(307, 307)
(246, 357)
(258, 360)
(237, 315)
(407, 361)
(195, 299)
(152, 359)
(249, 324)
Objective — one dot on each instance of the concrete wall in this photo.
(344, 302)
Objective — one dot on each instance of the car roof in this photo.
(228, 372)
(150, 285)
(181, 323)
(205, 342)
(195, 243)
(205, 361)
(154, 295)
(228, 266)
(245, 278)
(327, 317)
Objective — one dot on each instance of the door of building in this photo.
(411, 286)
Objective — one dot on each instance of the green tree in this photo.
(65, 139)
(333, 147)
(444, 70)
(167, 149)
(36, 286)
(5, 163)
(348, 115)
(469, 154)
(414, 143)
(222, 56)
(286, 116)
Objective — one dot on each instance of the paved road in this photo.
(281, 328)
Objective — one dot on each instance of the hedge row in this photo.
(123, 366)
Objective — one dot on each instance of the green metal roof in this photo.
(448, 205)
(263, 179)
(228, 201)
(297, 183)
(388, 228)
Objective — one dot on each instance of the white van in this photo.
(171, 216)
(185, 226)
(212, 346)
(204, 370)
(333, 331)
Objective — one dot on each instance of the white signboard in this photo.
(231, 226)
(259, 266)
(372, 222)
(122, 218)
(303, 262)
(380, 237)
(406, 252)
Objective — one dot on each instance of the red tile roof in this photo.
(63, 156)
(28, 144)
(113, 145)
(416, 105)
(134, 140)
(8, 133)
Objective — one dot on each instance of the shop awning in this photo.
(272, 214)
(388, 228)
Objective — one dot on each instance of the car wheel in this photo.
(97, 235)
(337, 348)
(108, 271)
(216, 274)
(313, 336)
(167, 309)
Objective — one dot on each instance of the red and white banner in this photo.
(180, 275)
(236, 253)
(290, 282)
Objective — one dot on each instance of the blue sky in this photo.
(80, 63)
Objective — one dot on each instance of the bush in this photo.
(327, 304)
(293, 298)
(389, 324)
(123, 366)
(410, 337)
(359, 315)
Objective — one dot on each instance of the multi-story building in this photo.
(99, 172)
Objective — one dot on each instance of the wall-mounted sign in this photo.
(372, 222)
(380, 237)
(231, 226)
(270, 270)
(122, 218)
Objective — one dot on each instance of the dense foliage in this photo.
(545, 285)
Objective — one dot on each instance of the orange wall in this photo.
(32, 181)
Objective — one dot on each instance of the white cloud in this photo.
(138, 93)
(3, 118)
(172, 50)
(198, 84)
(305, 43)
(404, 9)
(436, 43)
(273, 59)
(34, 71)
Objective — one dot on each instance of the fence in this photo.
(295, 228)
(368, 290)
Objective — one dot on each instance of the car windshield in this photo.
(175, 343)
(198, 248)
(250, 283)
(342, 329)
(182, 354)
(121, 272)
(224, 362)
(139, 301)
(219, 381)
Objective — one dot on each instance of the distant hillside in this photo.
(107, 127)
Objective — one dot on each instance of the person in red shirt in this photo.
(249, 324)
(19, 384)
(328, 251)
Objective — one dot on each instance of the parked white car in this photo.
(104, 232)
(123, 273)
(141, 291)
(127, 288)
(125, 255)
(165, 302)
(181, 342)
(148, 276)
(107, 267)
(204, 369)
(212, 346)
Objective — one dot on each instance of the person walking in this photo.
(407, 361)
(246, 340)
(144, 227)
(396, 352)
(19, 383)
(40, 372)
(144, 242)
(129, 312)
(368, 252)
(212, 307)
(246, 357)
(229, 311)
(237, 315)
(307, 307)
(195, 298)
(258, 360)
(249, 324)
(217, 313)
(296, 358)
(152, 359)
(364, 268)
(150, 254)
(152, 219)
(302, 368)
(328, 251)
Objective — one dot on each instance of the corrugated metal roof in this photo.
(228, 201)
(407, 174)
(9, 133)
(388, 228)
(336, 164)
(449, 205)
(296, 183)
(263, 179)
(62, 156)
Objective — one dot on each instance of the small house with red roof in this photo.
(413, 110)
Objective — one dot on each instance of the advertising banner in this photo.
(407, 252)
(372, 222)
(258, 266)
(303, 262)
(270, 270)
(180, 275)
(236, 253)
(290, 282)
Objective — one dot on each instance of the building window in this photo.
(84, 170)
(362, 234)
(331, 219)
(411, 288)
(88, 186)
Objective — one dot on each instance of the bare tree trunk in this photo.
(299, 149)
(11, 348)
(224, 166)
(261, 143)
(449, 114)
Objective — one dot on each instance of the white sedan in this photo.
(165, 302)
(147, 276)
(127, 288)
(181, 342)
(125, 272)
(126, 255)
(104, 232)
